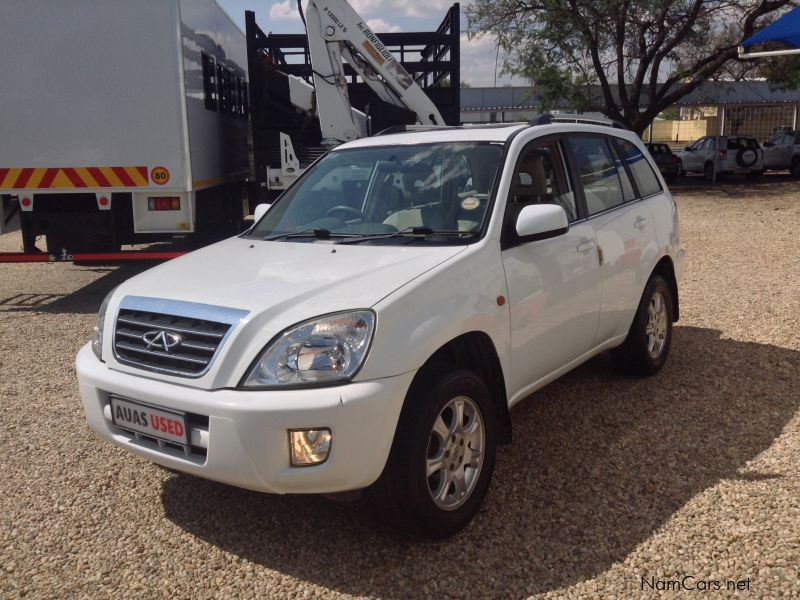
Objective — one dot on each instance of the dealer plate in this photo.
(160, 423)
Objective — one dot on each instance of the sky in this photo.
(477, 56)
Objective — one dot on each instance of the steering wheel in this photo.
(344, 210)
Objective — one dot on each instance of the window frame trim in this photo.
(507, 240)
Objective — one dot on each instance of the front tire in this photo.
(645, 350)
(443, 455)
(708, 171)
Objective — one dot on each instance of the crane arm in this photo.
(335, 32)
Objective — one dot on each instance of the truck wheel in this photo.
(645, 349)
(795, 168)
(708, 170)
(442, 457)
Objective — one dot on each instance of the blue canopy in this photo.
(785, 30)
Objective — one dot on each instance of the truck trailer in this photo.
(123, 123)
(159, 123)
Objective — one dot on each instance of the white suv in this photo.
(737, 154)
(374, 327)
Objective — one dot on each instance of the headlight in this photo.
(321, 350)
(97, 339)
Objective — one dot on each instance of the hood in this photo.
(297, 277)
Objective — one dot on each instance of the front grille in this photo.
(172, 344)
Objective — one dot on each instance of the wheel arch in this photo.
(666, 268)
(475, 351)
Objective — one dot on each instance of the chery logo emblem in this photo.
(161, 340)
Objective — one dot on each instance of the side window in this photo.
(698, 144)
(643, 174)
(597, 172)
(539, 179)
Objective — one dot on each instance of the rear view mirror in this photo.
(260, 211)
(541, 221)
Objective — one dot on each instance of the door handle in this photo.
(585, 245)
(640, 223)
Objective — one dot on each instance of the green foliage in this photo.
(631, 59)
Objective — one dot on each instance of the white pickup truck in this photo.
(376, 324)
(783, 152)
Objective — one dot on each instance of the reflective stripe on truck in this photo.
(72, 178)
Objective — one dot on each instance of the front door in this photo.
(553, 284)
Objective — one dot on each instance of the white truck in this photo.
(123, 123)
(782, 151)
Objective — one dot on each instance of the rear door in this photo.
(553, 284)
(622, 223)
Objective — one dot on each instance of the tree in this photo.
(631, 59)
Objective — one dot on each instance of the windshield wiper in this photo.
(422, 232)
(318, 232)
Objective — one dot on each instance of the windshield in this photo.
(423, 193)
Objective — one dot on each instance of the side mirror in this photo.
(688, 148)
(541, 221)
(767, 144)
(260, 211)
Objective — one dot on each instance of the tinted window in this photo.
(597, 172)
(742, 143)
(643, 174)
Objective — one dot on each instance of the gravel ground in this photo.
(609, 480)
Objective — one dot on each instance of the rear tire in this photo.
(645, 350)
(795, 168)
(440, 465)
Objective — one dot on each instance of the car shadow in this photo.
(734, 186)
(85, 300)
(599, 462)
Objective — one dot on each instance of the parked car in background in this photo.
(782, 151)
(668, 163)
(737, 155)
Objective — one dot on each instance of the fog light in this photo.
(309, 446)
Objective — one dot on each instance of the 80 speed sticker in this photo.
(159, 175)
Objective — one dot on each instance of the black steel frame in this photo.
(433, 58)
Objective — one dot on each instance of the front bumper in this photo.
(246, 440)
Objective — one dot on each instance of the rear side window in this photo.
(597, 172)
(643, 174)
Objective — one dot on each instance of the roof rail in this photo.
(407, 128)
(547, 119)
